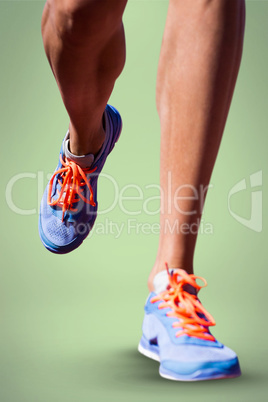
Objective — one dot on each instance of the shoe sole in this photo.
(202, 374)
(79, 240)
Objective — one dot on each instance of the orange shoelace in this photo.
(185, 306)
(73, 179)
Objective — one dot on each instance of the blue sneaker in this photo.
(175, 332)
(69, 205)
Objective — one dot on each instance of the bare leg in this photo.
(198, 67)
(85, 45)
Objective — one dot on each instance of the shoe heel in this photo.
(148, 350)
(117, 121)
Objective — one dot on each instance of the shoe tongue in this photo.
(84, 161)
(161, 282)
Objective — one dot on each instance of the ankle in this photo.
(88, 143)
(161, 266)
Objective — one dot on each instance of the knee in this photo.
(77, 21)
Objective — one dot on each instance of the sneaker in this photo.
(176, 332)
(69, 204)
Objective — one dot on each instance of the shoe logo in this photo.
(154, 341)
(255, 220)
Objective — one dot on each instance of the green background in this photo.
(70, 324)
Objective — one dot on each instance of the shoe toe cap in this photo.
(58, 233)
(190, 360)
(53, 231)
(196, 353)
